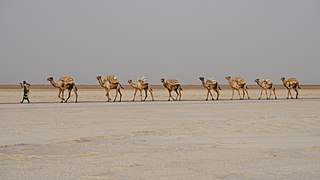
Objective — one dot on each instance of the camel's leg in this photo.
(297, 92)
(243, 93)
(218, 94)
(211, 95)
(62, 96)
(59, 96)
(207, 95)
(107, 94)
(180, 94)
(140, 94)
(120, 94)
(76, 93)
(239, 93)
(290, 94)
(116, 95)
(151, 94)
(146, 92)
(274, 92)
(134, 94)
(69, 94)
(267, 94)
(177, 94)
(170, 96)
(232, 94)
(270, 94)
(260, 94)
(247, 92)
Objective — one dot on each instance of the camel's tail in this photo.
(219, 87)
(181, 88)
(121, 86)
(75, 87)
(247, 87)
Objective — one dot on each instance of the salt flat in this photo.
(191, 139)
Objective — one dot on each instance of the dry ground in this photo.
(192, 139)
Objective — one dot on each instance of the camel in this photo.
(211, 83)
(172, 85)
(108, 83)
(238, 83)
(141, 84)
(291, 83)
(266, 84)
(64, 83)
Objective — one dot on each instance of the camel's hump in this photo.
(112, 79)
(294, 80)
(239, 80)
(173, 81)
(267, 81)
(67, 79)
(212, 80)
(143, 80)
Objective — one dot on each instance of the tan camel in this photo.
(108, 83)
(172, 85)
(238, 83)
(64, 83)
(291, 83)
(141, 84)
(211, 84)
(266, 84)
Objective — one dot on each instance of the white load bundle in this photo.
(267, 81)
(143, 80)
(212, 80)
(112, 79)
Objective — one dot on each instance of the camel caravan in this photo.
(141, 85)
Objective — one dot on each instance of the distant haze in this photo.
(159, 39)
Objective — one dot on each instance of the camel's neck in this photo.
(53, 84)
(133, 85)
(230, 82)
(165, 84)
(203, 83)
(259, 84)
(100, 82)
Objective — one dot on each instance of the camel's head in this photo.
(257, 80)
(162, 80)
(201, 78)
(228, 77)
(98, 77)
(50, 79)
(129, 81)
(283, 78)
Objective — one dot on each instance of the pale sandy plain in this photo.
(191, 139)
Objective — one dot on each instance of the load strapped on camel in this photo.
(173, 81)
(67, 81)
(112, 79)
(294, 82)
(212, 80)
(143, 80)
(267, 81)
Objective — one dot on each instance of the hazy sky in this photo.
(159, 38)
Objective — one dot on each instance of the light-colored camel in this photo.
(172, 85)
(291, 83)
(211, 84)
(238, 83)
(108, 83)
(64, 83)
(266, 84)
(141, 84)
